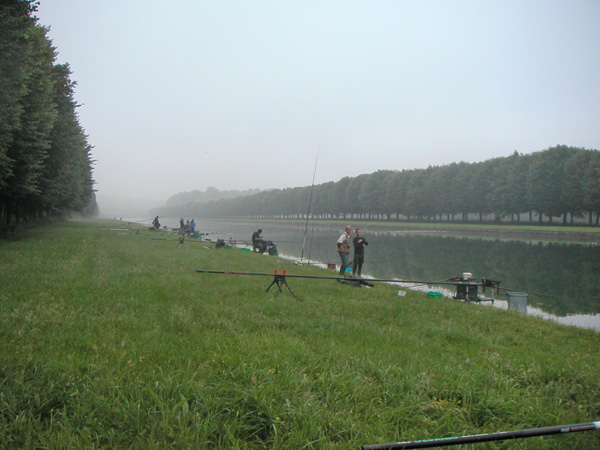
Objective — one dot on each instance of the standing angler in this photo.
(343, 248)
(359, 243)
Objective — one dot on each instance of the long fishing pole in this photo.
(242, 242)
(310, 202)
(428, 283)
(319, 277)
(144, 220)
(441, 442)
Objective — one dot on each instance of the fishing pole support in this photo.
(279, 280)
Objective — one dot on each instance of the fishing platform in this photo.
(468, 289)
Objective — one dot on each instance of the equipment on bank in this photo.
(468, 289)
(279, 280)
(268, 247)
(441, 442)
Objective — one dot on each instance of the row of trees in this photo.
(558, 182)
(45, 159)
(211, 193)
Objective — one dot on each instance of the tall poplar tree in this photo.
(66, 184)
(45, 160)
(15, 27)
(29, 148)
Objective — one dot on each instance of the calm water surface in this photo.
(562, 280)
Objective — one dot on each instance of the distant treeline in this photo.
(45, 159)
(560, 182)
(176, 202)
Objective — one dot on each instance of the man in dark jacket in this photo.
(257, 241)
(359, 252)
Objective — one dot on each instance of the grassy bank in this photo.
(110, 339)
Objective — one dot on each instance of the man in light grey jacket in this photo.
(343, 248)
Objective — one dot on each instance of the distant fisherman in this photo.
(343, 249)
(257, 241)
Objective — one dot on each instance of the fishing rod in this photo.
(531, 432)
(429, 283)
(141, 221)
(312, 187)
(321, 277)
(243, 242)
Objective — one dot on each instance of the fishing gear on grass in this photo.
(441, 442)
(280, 280)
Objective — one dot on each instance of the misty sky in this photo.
(178, 96)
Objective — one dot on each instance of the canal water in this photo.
(562, 280)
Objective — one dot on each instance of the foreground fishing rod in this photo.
(441, 442)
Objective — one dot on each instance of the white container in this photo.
(517, 301)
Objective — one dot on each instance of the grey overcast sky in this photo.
(178, 96)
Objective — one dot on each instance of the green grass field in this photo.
(112, 340)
